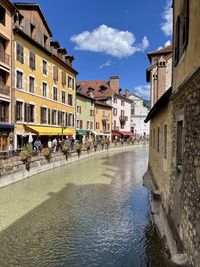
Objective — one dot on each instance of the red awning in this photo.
(116, 133)
(126, 133)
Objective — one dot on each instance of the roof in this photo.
(162, 101)
(103, 104)
(85, 96)
(7, 4)
(162, 51)
(101, 88)
(28, 6)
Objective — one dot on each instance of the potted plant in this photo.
(25, 155)
(46, 152)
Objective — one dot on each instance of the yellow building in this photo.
(44, 79)
(103, 119)
(6, 125)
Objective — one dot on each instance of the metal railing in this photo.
(4, 57)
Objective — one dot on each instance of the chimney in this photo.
(126, 93)
(114, 83)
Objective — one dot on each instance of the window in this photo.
(88, 125)
(61, 117)
(31, 84)
(91, 125)
(44, 89)
(154, 138)
(19, 111)
(115, 100)
(91, 112)
(81, 124)
(165, 141)
(122, 103)
(132, 110)
(114, 111)
(31, 60)
(63, 78)
(158, 139)
(44, 67)
(20, 52)
(55, 73)
(78, 124)
(19, 80)
(28, 112)
(43, 115)
(108, 126)
(54, 117)
(70, 82)
(63, 97)
(2, 15)
(70, 100)
(97, 125)
(55, 93)
(179, 143)
(70, 119)
(181, 33)
(45, 41)
(32, 30)
(96, 110)
(78, 109)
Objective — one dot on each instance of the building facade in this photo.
(110, 92)
(6, 94)
(103, 120)
(44, 79)
(85, 116)
(185, 173)
(139, 111)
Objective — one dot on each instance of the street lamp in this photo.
(62, 127)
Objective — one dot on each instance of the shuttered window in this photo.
(31, 60)
(20, 52)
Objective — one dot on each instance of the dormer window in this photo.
(2, 15)
(102, 88)
(32, 30)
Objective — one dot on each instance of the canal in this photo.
(93, 212)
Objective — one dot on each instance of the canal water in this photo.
(94, 212)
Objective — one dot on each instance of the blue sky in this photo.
(110, 37)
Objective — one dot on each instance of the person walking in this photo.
(37, 145)
(54, 144)
(50, 144)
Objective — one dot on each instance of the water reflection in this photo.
(92, 213)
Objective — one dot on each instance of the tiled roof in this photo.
(101, 103)
(165, 50)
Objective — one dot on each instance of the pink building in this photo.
(110, 92)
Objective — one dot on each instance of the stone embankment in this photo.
(16, 170)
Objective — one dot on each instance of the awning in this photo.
(82, 132)
(116, 133)
(95, 133)
(6, 127)
(126, 133)
(43, 130)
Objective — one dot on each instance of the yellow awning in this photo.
(43, 130)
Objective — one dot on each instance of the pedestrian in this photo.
(37, 145)
(59, 144)
(50, 144)
(55, 143)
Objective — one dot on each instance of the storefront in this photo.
(6, 136)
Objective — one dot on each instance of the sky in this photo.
(109, 37)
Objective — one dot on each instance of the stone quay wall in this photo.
(16, 170)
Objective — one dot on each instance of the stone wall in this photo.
(15, 171)
(184, 205)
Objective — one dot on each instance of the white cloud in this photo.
(166, 26)
(110, 41)
(167, 43)
(143, 91)
(106, 64)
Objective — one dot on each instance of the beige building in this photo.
(6, 119)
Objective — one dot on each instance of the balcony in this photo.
(4, 57)
(4, 89)
(123, 118)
